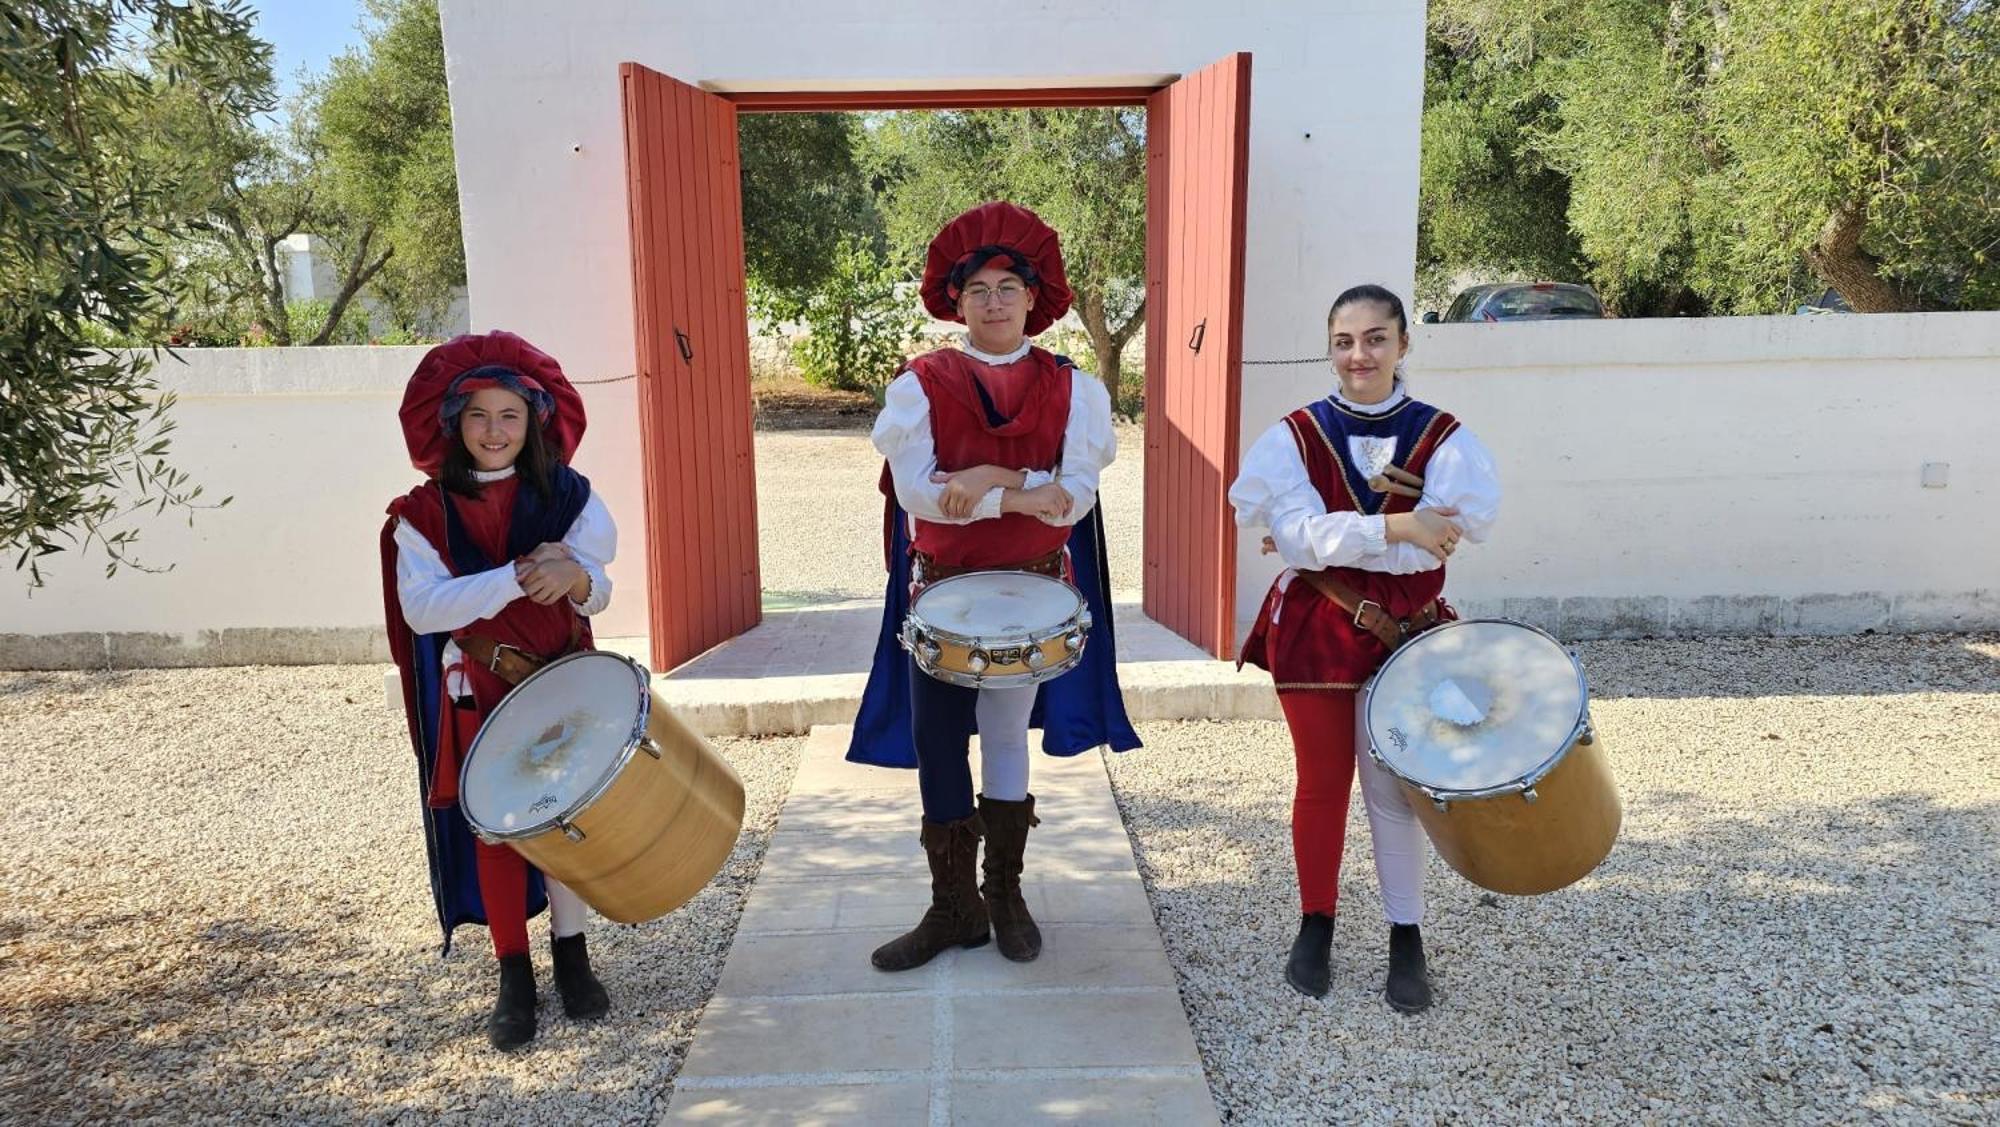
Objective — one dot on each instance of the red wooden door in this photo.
(686, 208)
(1197, 165)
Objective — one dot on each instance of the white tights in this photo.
(1395, 834)
(566, 909)
(1003, 741)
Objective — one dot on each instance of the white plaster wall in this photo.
(307, 442)
(1754, 475)
(1757, 474)
(1336, 96)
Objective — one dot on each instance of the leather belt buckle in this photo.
(493, 663)
(1362, 610)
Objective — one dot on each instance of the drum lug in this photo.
(1529, 795)
(1441, 804)
(571, 832)
(650, 746)
(976, 662)
(1589, 734)
(1035, 660)
(1073, 641)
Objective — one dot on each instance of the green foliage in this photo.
(860, 319)
(378, 132)
(1744, 154)
(1488, 203)
(1083, 171)
(802, 190)
(84, 438)
(309, 320)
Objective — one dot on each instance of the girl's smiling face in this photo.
(494, 427)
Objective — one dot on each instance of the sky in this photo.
(306, 34)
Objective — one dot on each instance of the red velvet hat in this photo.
(998, 229)
(464, 364)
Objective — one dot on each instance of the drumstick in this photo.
(1398, 473)
(1382, 484)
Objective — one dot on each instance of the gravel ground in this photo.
(212, 918)
(1797, 924)
(831, 548)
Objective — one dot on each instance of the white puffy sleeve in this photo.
(592, 541)
(1273, 491)
(903, 436)
(434, 600)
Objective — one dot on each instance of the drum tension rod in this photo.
(650, 746)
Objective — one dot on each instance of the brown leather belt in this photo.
(1370, 615)
(930, 571)
(511, 663)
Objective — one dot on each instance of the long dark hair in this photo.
(1370, 292)
(532, 463)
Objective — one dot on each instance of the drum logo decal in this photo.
(546, 802)
(1012, 655)
(1397, 737)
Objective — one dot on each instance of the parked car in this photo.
(1828, 302)
(1521, 301)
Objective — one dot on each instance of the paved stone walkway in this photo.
(803, 1030)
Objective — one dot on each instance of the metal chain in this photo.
(613, 379)
(1303, 360)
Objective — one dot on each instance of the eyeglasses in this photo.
(1005, 294)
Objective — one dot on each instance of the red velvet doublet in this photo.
(1032, 394)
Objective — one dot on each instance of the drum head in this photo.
(997, 604)
(1475, 705)
(553, 744)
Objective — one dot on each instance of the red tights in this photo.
(503, 873)
(1322, 725)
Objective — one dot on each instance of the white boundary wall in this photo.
(1718, 476)
(1725, 476)
(306, 440)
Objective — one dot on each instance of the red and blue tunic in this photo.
(1305, 640)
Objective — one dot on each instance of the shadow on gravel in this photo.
(1804, 961)
(173, 1015)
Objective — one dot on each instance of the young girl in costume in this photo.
(492, 568)
(1365, 494)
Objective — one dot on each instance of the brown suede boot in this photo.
(1006, 839)
(957, 917)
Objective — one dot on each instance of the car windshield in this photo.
(1543, 303)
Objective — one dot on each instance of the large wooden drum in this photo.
(1486, 723)
(585, 772)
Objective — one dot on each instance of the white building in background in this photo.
(1730, 475)
(313, 274)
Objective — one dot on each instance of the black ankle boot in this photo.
(512, 1023)
(583, 997)
(1409, 988)
(1307, 968)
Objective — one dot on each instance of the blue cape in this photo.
(1077, 711)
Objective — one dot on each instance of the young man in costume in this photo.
(491, 569)
(1366, 493)
(994, 448)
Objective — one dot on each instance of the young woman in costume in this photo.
(1365, 494)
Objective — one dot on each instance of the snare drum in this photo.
(584, 771)
(1486, 723)
(997, 629)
